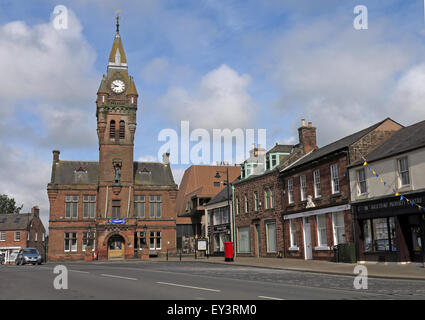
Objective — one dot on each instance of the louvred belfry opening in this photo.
(122, 130)
(112, 129)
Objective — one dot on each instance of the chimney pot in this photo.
(302, 122)
(35, 211)
(310, 124)
(166, 158)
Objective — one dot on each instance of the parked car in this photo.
(28, 255)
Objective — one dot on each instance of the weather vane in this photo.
(118, 20)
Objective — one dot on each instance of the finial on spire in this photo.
(118, 20)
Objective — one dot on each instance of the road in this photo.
(192, 281)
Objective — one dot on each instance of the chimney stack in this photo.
(56, 156)
(166, 158)
(307, 136)
(35, 211)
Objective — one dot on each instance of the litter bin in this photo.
(228, 251)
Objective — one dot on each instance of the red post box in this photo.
(228, 251)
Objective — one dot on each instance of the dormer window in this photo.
(122, 129)
(112, 129)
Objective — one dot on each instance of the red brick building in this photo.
(114, 206)
(257, 200)
(316, 209)
(23, 230)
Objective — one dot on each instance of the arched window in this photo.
(122, 129)
(112, 129)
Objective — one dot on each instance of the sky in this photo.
(263, 64)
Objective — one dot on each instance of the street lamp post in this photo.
(228, 204)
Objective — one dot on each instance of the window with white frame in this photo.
(271, 198)
(271, 236)
(71, 207)
(361, 181)
(266, 198)
(255, 201)
(316, 178)
(17, 236)
(290, 190)
(155, 240)
(293, 232)
(246, 203)
(70, 241)
(243, 240)
(403, 171)
(2, 236)
(334, 178)
(36, 237)
(321, 230)
(339, 228)
(237, 205)
(303, 188)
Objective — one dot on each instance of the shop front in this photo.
(390, 230)
(221, 234)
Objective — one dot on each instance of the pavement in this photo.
(412, 271)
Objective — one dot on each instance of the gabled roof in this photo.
(87, 172)
(16, 221)
(282, 148)
(338, 145)
(199, 180)
(223, 195)
(404, 140)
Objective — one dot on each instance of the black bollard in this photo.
(180, 255)
(167, 254)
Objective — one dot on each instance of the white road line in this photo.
(270, 298)
(79, 271)
(119, 277)
(190, 287)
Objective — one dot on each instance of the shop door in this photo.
(308, 250)
(416, 244)
(116, 247)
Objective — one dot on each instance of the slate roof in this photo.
(404, 140)
(221, 196)
(335, 146)
(284, 148)
(15, 221)
(85, 172)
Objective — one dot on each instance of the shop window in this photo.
(367, 233)
(155, 240)
(379, 234)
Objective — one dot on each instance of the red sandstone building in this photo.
(115, 206)
(200, 183)
(23, 230)
(316, 210)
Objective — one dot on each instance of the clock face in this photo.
(118, 86)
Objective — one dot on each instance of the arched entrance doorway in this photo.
(116, 246)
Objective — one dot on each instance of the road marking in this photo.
(79, 271)
(190, 287)
(119, 277)
(270, 298)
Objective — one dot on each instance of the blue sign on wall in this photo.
(116, 221)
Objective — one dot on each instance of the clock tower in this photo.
(116, 107)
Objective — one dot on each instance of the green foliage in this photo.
(8, 205)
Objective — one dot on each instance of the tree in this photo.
(8, 205)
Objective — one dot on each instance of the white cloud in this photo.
(178, 174)
(155, 70)
(220, 101)
(24, 177)
(343, 77)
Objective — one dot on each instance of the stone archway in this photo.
(116, 246)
